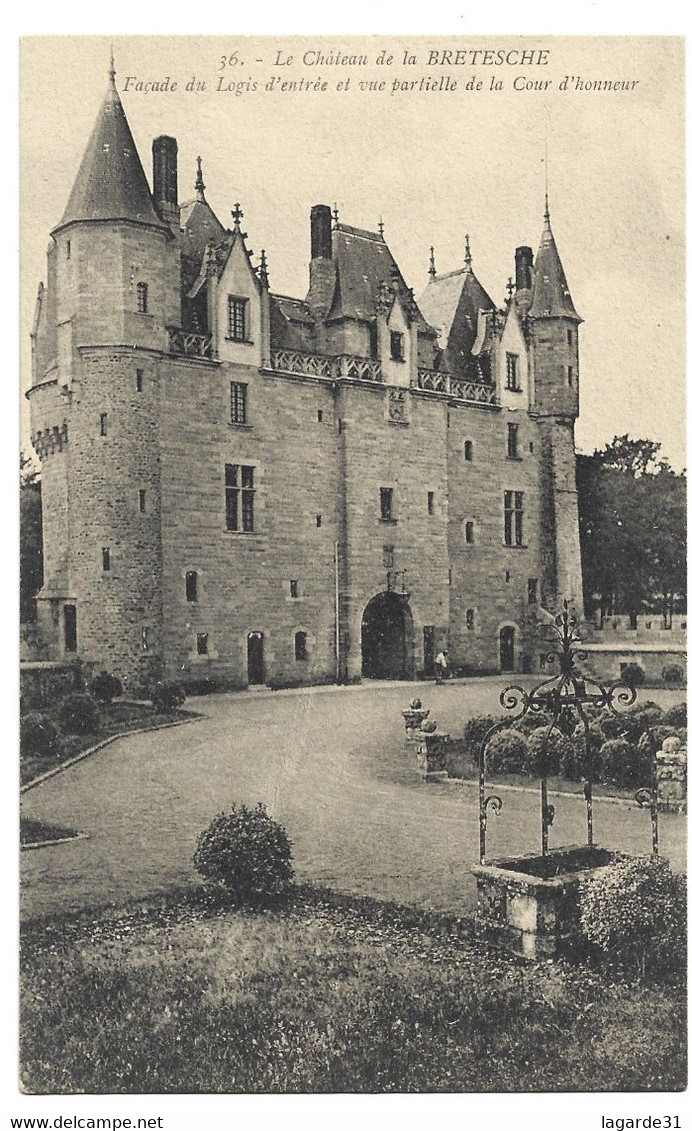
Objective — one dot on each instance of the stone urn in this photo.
(414, 717)
(671, 776)
(529, 905)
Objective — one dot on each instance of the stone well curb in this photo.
(100, 746)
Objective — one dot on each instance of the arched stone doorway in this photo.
(387, 638)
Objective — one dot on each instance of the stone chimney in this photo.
(165, 154)
(322, 268)
(523, 263)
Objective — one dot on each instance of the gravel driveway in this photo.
(332, 765)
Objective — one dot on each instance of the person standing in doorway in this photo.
(441, 667)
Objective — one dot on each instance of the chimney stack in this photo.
(165, 154)
(523, 261)
(321, 232)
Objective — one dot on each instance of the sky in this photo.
(435, 164)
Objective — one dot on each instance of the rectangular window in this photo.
(373, 340)
(388, 557)
(468, 533)
(145, 639)
(104, 423)
(468, 450)
(202, 643)
(139, 380)
(513, 372)
(294, 588)
(569, 337)
(396, 345)
(386, 503)
(513, 441)
(301, 645)
(237, 319)
(191, 585)
(431, 502)
(514, 518)
(70, 627)
(319, 416)
(470, 619)
(532, 594)
(106, 559)
(318, 520)
(570, 376)
(142, 298)
(238, 403)
(142, 502)
(240, 498)
(68, 249)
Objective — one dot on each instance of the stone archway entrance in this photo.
(387, 638)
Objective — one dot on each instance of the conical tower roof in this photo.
(111, 183)
(551, 297)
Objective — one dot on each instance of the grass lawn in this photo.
(116, 718)
(35, 832)
(329, 994)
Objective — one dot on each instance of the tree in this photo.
(30, 538)
(632, 528)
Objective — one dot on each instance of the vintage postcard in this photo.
(353, 594)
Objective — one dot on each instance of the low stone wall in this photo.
(44, 682)
(605, 661)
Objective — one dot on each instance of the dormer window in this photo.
(396, 345)
(237, 318)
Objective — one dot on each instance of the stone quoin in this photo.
(259, 488)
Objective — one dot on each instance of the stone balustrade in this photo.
(434, 381)
(322, 365)
(189, 344)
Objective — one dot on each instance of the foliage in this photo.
(651, 741)
(105, 688)
(676, 716)
(506, 753)
(546, 761)
(38, 735)
(167, 697)
(574, 763)
(30, 539)
(246, 853)
(475, 731)
(635, 910)
(632, 675)
(79, 714)
(534, 719)
(632, 512)
(624, 764)
(613, 726)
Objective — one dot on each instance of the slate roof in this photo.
(452, 304)
(362, 261)
(111, 183)
(199, 226)
(551, 297)
(292, 326)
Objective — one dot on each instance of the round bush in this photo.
(475, 731)
(506, 753)
(534, 719)
(613, 726)
(105, 688)
(79, 714)
(641, 718)
(632, 675)
(635, 910)
(624, 764)
(167, 697)
(574, 763)
(247, 854)
(672, 673)
(676, 716)
(38, 735)
(542, 762)
(651, 740)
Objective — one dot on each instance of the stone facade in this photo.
(256, 488)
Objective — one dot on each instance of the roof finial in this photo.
(237, 215)
(510, 288)
(432, 271)
(335, 213)
(199, 183)
(381, 227)
(546, 214)
(263, 273)
(111, 68)
(467, 257)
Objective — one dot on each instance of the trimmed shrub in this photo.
(652, 740)
(676, 716)
(613, 726)
(105, 688)
(540, 762)
(79, 714)
(247, 854)
(507, 752)
(672, 673)
(635, 911)
(574, 763)
(475, 731)
(205, 686)
(534, 719)
(632, 675)
(641, 718)
(167, 697)
(624, 764)
(38, 735)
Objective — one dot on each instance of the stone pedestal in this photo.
(671, 776)
(529, 905)
(414, 718)
(431, 753)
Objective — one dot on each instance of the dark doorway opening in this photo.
(386, 638)
(507, 635)
(70, 626)
(255, 658)
(428, 649)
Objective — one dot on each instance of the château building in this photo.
(252, 487)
